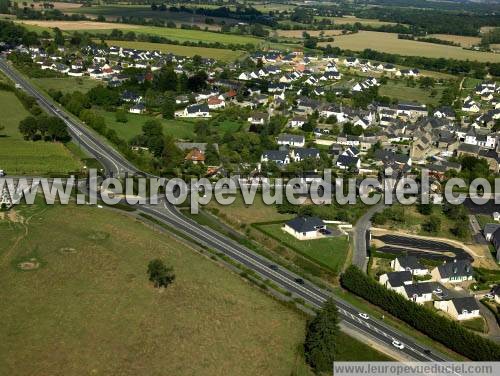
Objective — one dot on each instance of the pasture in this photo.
(214, 53)
(80, 25)
(20, 157)
(114, 12)
(389, 42)
(400, 91)
(88, 308)
(349, 20)
(85, 305)
(66, 84)
(177, 128)
(463, 40)
(313, 33)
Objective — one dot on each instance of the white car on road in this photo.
(363, 315)
(398, 344)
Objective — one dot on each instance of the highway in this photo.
(116, 164)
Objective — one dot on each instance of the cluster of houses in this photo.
(407, 132)
(408, 278)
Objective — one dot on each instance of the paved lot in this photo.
(395, 244)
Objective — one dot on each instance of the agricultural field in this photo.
(313, 33)
(81, 25)
(349, 20)
(20, 157)
(114, 12)
(60, 5)
(389, 42)
(214, 53)
(330, 253)
(464, 41)
(66, 84)
(403, 93)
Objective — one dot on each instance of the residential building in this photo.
(464, 308)
(456, 271)
(305, 228)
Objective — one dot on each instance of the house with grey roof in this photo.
(464, 308)
(291, 140)
(456, 271)
(418, 292)
(396, 280)
(408, 263)
(305, 228)
(280, 157)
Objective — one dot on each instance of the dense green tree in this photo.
(160, 274)
(166, 80)
(321, 338)
(168, 107)
(28, 127)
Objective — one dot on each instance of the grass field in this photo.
(398, 90)
(388, 42)
(133, 127)
(66, 84)
(463, 40)
(80, 25)
(239, 213)
(214, 53)
(20, 157)
(113, 12)
(314, 33)
(348, 20)
(93, 311)
(328, 252)
(89, 309)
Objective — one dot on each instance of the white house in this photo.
(138, 108)
(305, 228)
(408, 263)
(195, 111)
(396, 280)
(465, 308)
(296, 141)
(456, 271)
(418, 292)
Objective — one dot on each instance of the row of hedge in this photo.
(439, 328)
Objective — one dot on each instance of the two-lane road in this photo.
(116, 164)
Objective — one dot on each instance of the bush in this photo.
(439, 328)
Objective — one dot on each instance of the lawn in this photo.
(214, 53)
(330, 252)
(66, 84)
(177, 128)
(389, 42)
(20, 157)
(88, 308)
(478, 324)
(403, 93)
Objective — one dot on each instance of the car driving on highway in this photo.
(398, 344)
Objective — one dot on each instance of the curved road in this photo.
(116, 164)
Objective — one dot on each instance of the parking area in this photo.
(420, 248)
